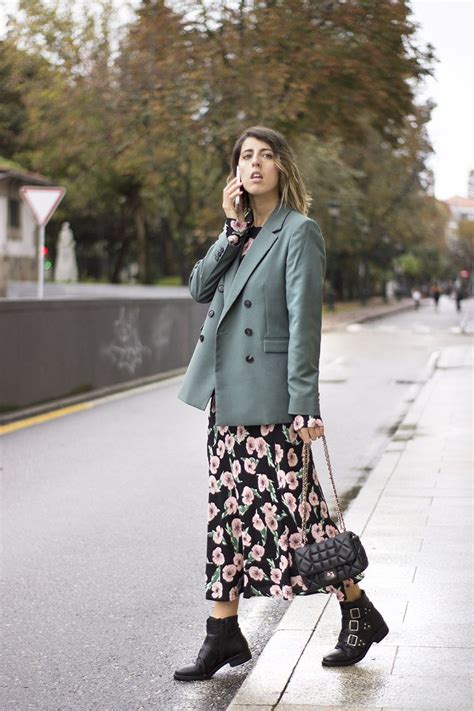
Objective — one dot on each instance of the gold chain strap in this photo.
(306, 450)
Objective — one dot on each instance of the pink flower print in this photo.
(292, 458)
(271, 522)
(247, 245)
(304, 510)
(255, 573)
(223, 429)
(295, 540)
(227, 480)
(265, 429)
(220, 449)
(275, 575)
(230, 505)
(213, 488)
(292, 436)
(237, 527)
(228, 572)
(261, 447)
(324, 509)
(218, 535)
(211, 511)
(312, 422)
(315, 477)
(268, 508)
(246, 538)
(281, 479)
(218, 556)
(288, 592)
(258, 551)
(233, 593)
(275, 591)
(317, 532)
(214, 464)
(246, 579)
(247, 496)
(236, 468)
(217, 590)
(278, 453)
(331, 531)
(238, 225)
(283, 541)
(290, 501)
(283, 563)
(233, 239)
(313, 498)
(239, 561)
(250, 445)
(250, 465)
(297, 580)
(257, 522)
(298, 422)
(262, 482)
(229, 442)
(241, 433)
(292, 480)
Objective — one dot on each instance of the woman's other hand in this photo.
(232, 190)
(309, 434)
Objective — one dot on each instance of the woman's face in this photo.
(258, 171)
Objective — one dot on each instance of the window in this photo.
(13, 213)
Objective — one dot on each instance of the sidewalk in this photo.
(414, 517)
(376, 307)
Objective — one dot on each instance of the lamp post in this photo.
(334, 210)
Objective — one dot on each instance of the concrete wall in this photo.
(58, 348)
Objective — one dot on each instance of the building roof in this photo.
(11, 169)
(459, 201)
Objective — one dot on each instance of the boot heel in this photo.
(383, 632)
(240, 659)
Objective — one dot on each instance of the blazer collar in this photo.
(237, 275)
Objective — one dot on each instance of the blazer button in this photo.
(220, 287)
(248, 331)
(249, 359)
(201, 337)
(211, 313)
(247, 303)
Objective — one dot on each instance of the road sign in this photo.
(42, 201)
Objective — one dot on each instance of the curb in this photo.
(368, 317)
(271, 674)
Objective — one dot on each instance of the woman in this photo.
(257, 362)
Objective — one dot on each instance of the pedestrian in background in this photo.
(257, 362)
(436, 293)
(416, 296)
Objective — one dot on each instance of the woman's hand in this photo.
(231, 191)
(309, 434)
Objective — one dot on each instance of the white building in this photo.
(18, 230)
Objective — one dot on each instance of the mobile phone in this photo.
(237, 199)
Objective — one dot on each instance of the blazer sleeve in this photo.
(305, 272)
(207, 271)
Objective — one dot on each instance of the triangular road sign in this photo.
(42, 201)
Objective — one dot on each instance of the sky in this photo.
(449, 26)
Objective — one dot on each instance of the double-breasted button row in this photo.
(210, 313)
(247, 303)
(220, 287)
(249, 358)
(248, 331)
(219, 254)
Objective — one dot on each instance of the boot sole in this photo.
(381, 633)
(233, 661)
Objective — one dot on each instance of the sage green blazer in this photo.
(259, 346)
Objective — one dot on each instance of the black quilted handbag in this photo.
(335, 559)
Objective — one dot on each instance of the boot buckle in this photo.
(354, 625)
(352, 640)
(354, 613)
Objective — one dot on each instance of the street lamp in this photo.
(334, 210)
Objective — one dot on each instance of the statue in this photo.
(66, 265)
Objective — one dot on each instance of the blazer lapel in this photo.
(238, 275)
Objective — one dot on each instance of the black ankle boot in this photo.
(224, 644)
(362, 625)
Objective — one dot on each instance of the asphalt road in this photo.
(104, 527)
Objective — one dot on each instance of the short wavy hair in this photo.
(291, 187)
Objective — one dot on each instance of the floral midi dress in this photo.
(255, 510)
